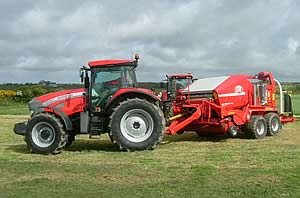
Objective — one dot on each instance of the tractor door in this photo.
(107, 81)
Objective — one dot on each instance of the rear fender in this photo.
(131, 93)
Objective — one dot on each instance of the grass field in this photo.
(182, 166)
(296, 104)
(13, 108)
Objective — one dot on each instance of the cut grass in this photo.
(183, 165)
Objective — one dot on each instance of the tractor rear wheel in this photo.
(273, 124)
(257, 127)
(45, 134)
(137, 124)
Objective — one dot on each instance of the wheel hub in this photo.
(136, 125)
(260, 128)
(275, 125)
(43, 134)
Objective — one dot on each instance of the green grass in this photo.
(296, 104)
(13, 108)
(182, 166)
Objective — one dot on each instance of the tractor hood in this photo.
(60, 99)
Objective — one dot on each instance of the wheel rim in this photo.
(260, 128)
(233, 131)
(43, 134)
(275, 125)
(136, 125)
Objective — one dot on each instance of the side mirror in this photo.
(86, 81)
(81, 74)
(194, 79)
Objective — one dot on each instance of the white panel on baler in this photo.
(205, 85)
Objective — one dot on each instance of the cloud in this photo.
(52, 39)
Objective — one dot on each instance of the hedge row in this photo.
(24, 94)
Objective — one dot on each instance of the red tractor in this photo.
(171, 86)
(175, 82)
(229, 104)
(110, 102)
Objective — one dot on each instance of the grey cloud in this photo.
(52, 39)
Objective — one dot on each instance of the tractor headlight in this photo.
(31, 113)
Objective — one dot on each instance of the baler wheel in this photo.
(233, 131)
(273, 124)
(45, 134)
(137, 124)
(257, 127)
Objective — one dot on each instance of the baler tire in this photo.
(137, 115)
(257, 127)
(50, 125)
(272, 129)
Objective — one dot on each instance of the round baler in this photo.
(230, 104)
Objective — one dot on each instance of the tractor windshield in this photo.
(106, 81)
(174, 84)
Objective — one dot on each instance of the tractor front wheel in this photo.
(45, 134)
(137, 124)
(257, 127)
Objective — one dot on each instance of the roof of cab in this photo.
(102, 63)
(179, 75)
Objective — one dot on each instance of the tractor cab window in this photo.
(174, 84)
(107, 81)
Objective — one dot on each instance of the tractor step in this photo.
(94, 137)
(95, 126)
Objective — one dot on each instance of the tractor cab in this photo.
(172, 85)
(107, 77)
(175, 82)
(103, 78)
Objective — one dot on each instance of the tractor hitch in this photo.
(20, 128)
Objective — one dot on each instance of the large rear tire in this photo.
(45, 134)
(273, 124)
(257, 127)
(137, 124)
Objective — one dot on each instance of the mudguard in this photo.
(125, 93)
(64, 117)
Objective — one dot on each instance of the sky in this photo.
(51, 39)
